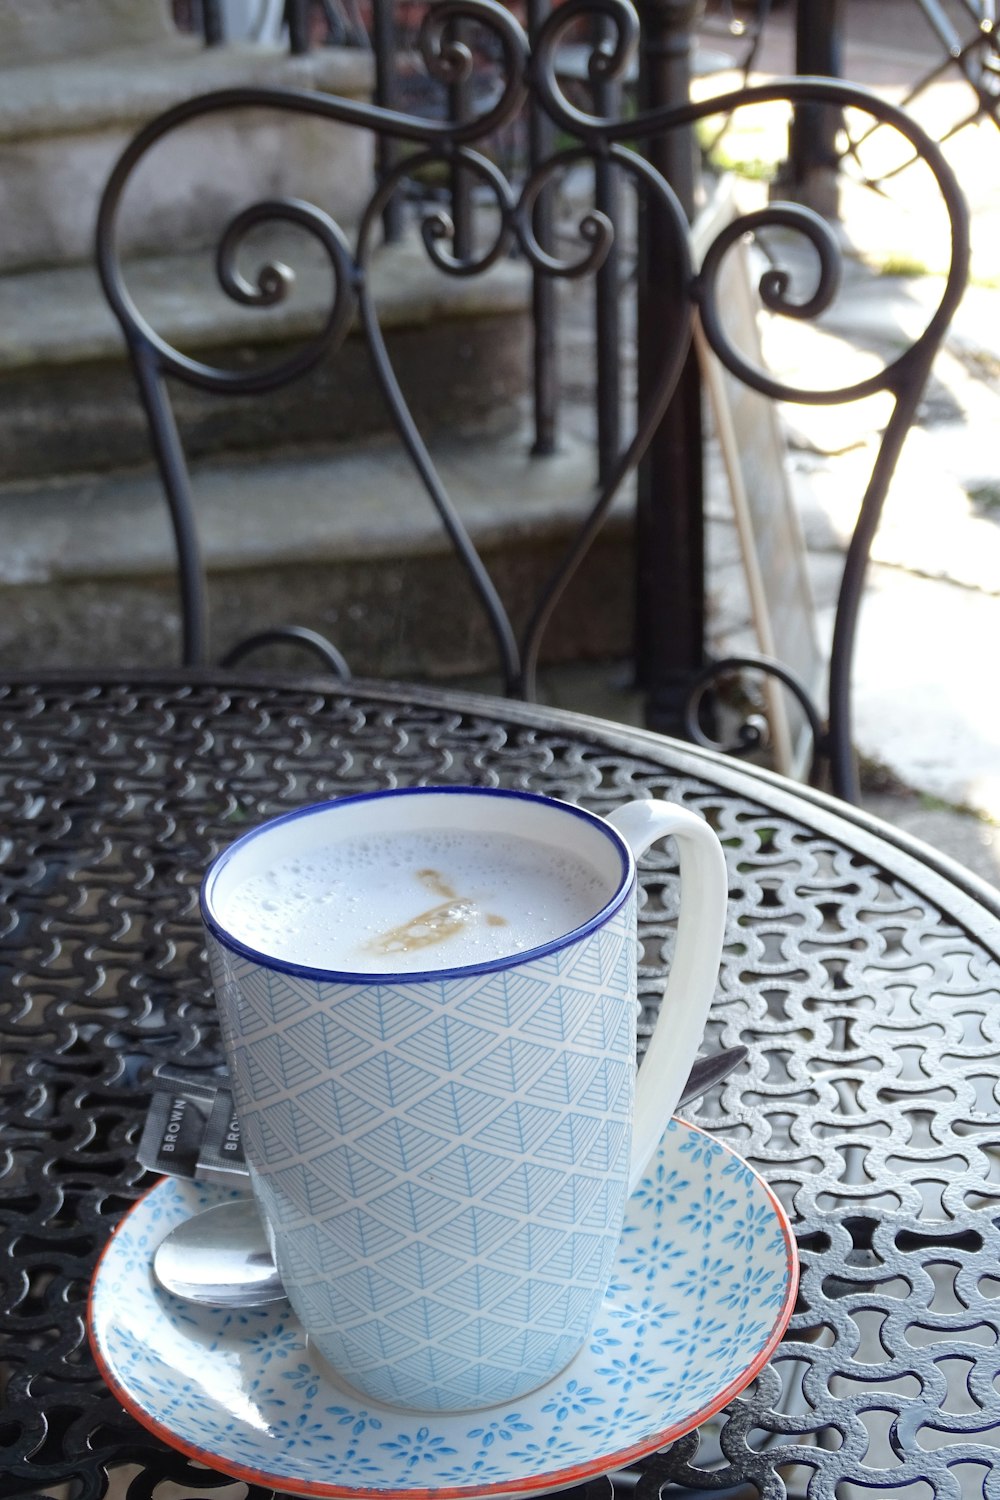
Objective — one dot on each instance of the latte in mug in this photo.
(410, 901)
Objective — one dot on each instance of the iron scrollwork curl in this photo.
(448, 58)
(751, 734)
(595, 229)
(775, 288)
(436, 225)
(609, 60)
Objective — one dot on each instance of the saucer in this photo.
(703, 1288)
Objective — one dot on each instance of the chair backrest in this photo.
(526, 83)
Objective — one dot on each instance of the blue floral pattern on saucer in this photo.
(704, 1285)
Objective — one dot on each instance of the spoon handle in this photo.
(707, 1071)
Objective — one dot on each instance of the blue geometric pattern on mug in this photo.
(687, 1317)
(446, 1161)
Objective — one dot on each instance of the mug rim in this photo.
(626, 882)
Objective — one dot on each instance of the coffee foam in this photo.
(414, 901)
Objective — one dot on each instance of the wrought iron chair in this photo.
(528, 80)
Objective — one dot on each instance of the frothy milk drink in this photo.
(401, 903)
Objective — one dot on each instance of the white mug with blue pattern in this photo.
(442, 1158)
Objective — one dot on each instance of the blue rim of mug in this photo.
(382, 976)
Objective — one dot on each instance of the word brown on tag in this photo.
(192, 1131)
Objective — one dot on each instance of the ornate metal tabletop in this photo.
(862, 973)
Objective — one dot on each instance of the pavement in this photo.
(926, 698)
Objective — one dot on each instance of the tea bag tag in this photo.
(191, 1131)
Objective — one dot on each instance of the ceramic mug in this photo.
(442, 1156)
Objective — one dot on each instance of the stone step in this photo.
(67, 395)
(346, 542)
(65, 120)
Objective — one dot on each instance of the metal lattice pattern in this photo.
(866, 987)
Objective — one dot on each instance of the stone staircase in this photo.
(308, 510)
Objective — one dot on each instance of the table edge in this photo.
(966, 895)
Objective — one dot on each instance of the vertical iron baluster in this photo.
(169, 453)
(384, 41)
(460, 106)
(544, 294)
(670, 579)
(297, 21)
(814, 154)
(607, 312)
(211, 23)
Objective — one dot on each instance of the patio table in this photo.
(862, 971)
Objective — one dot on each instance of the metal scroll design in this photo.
(436, 143)
(527, 73)
(903, 378)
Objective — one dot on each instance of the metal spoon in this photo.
(220, 1257)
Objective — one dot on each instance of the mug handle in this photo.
(694, 970)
